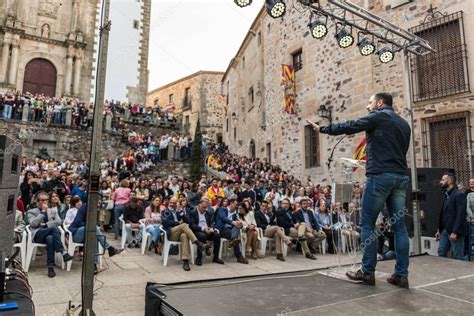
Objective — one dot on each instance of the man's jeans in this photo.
(381, 189)
(456, 246)
(154, 230)
(138, 235)
(80, 235)
(52, 238)
(118, 209)
(7, 111)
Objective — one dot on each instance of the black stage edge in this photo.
(438, 286)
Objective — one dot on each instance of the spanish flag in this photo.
(359, 153)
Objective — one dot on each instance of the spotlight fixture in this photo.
(318, 29)
(243, 3)
(386, 55)
(275, 8)
(366, 47)
(344, 38)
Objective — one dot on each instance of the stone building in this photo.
(343, 80)
(47, 46)
(192, 97)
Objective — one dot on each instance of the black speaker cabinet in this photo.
(10, 153)
(430, 198)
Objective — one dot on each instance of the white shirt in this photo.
(174, 188)
(70, 216)
(202, 220)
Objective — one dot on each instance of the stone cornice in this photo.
(23, 34)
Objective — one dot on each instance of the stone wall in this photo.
(330, 75)
(203, 101)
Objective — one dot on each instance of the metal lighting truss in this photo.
(346, 13)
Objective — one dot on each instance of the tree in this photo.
(196, 168)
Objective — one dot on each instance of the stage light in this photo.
(318, 29)
(275, 8)
(386, 55)
(366, 47)
(243, 3)
(344, 38)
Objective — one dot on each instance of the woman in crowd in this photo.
(142, 192)
(121, 197)
(153, 223)
(76, 203)
(324, 219)
(65, 206)
(249, 228)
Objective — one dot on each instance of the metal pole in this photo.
(412, 153)
(94, 174)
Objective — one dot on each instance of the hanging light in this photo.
(344, 38)
(318, 28)
(275, 8)
(243, 3)
(386, 55)
(366, 47)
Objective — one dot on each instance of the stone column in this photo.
(13, 64)
(68, 79)
(108, 122)
(4, 64)
(77, 76)
(24, 115)
(19, 10)
(68, 119)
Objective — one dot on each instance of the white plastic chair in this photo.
(265, 241)
(166, 248)
(223, 243)
(71, 248)
(31, 248)
(22, 246)
(124, 232)
(146, 237)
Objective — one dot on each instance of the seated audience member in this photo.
(314, 234)
(44, 223)
(153, 223)
(325, 221)
(201, 223)
(177, 230)
(78, 231)
(347, 229)
(249, 228)
(293, 229)
(215, 191)
(265, 219)
(76, 203)
(229, 227)
(19, 226)
(132, 214)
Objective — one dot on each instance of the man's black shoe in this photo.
(51, 272)
(198, 262)
(186, 265)
(67, 257)
(217, 260)
(280, 257)
(398, 281)
(152, 246)
(360, 275)
(309, 255)
(114, 251)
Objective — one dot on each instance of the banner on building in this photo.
(359, 153)
(289, 89)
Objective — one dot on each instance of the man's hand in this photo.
(297, 225)
(437, 236)
(314, 125)
(180, 221)
(453, 236)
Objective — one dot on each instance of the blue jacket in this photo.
(168, 221)
(285, 219)
(453, 212)
(387, 139)
(80, 219)
(222, 218)
(299, 218)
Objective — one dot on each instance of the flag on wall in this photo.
(289, 89)
(359, 153)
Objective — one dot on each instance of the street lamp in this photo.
(243, 3)
(275, 8)
(325, 112)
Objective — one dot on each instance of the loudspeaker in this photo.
(10, 153)
(430, 200)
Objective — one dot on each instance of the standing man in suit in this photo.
(44, 223)
(201, 223)
(249, 192)
(285, 219)
(388, 139)
(265, 219)
(452, 220)
(177, 230)
(229, 227)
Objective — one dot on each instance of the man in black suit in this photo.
(285, 219)
(452, 220)
(201, 223)
(314, 232)
(249, 192)
(265, 219)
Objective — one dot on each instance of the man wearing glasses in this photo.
(44, 223)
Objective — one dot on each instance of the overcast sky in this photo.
(191, 35)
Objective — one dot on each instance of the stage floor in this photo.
(438, 286)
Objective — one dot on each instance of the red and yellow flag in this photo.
(289, 88)
(359, 153)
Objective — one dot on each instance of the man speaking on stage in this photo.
(388, 138)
